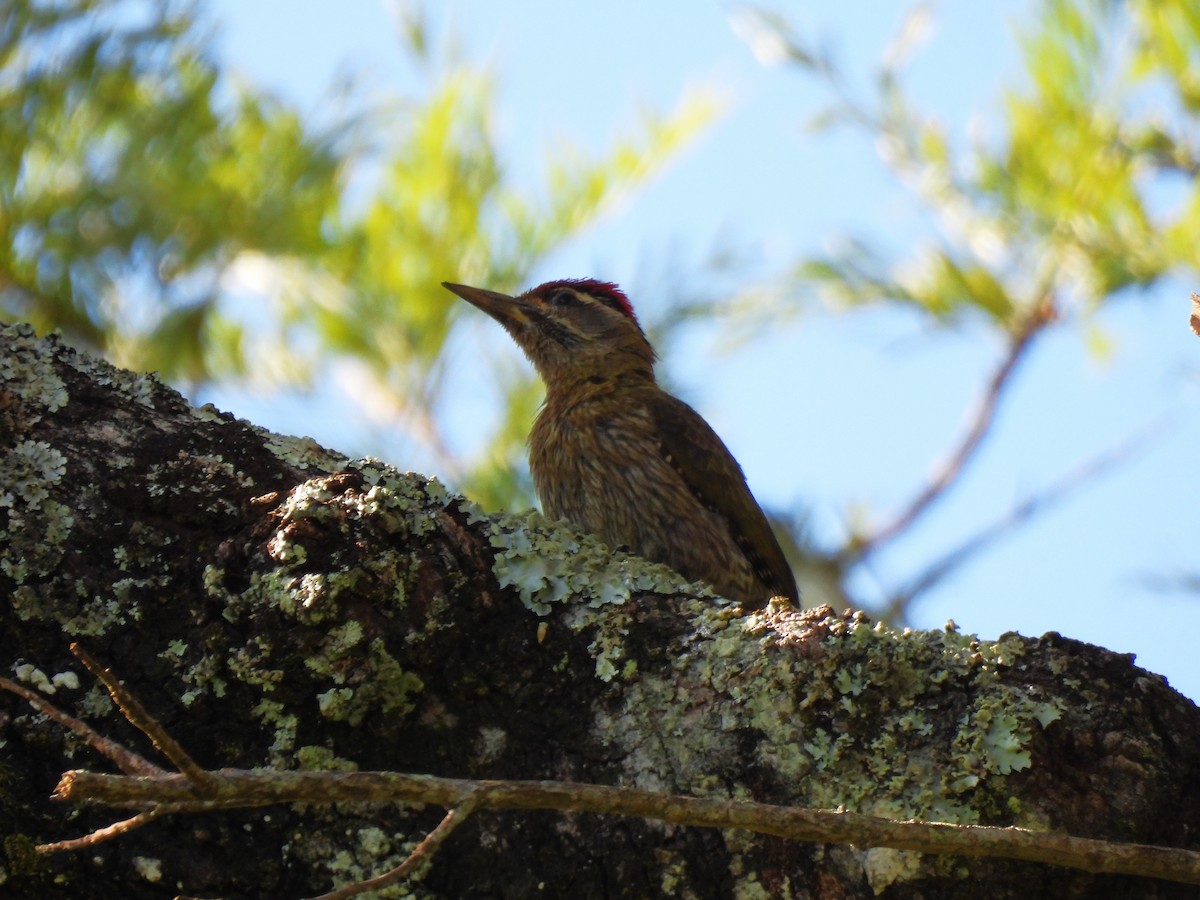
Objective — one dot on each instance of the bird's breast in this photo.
(585, 461)
(602, 467)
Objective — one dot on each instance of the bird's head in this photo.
(572, 330)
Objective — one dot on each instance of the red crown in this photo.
(604, 291)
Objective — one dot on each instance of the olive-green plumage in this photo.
(617, 455)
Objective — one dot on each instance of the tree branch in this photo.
(256, 787)
(162, 794)
(140, 718)
(126, 760)
(421, 853)
(116, 829)
(980, 424)
(1032, 505)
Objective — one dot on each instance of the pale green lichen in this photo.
(750, 888)
(210, 415)
(360, 682)
(884, 866)
(31, 469)
(490, 745)
(344, 638)
(404, 504)
(550, 562)
(301, 452)
(67, 680)
(383, 687)
(335, 703)
(849, 725)
(407, 504)
(85, 619)
(29, 674)
(140, 388)
(149, 868)
(177, 479)
(35, 527)
(377, 851)
(672, 873)
(27, 370)
(204, 679)
(283, 725)
(313, 758)
(96, 703)
(846, 722)
(250, 664)
(885, 685)
(608, 646)
(545, 562)
(353, 854)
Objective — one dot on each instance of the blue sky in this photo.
(830, 409)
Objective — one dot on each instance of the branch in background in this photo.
(1195, 318)
(952, 469)
(1186, 582)
(1035, 504)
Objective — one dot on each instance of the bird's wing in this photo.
(698, 454)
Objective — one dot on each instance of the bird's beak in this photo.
(506, 310)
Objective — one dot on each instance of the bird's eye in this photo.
(561, 297)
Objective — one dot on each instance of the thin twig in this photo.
(240, 788)
(115, 830)
(980, 424)
(1085, 474)
(258, 787)
(138, 716)
(126, 760)
(156, 811)
(422, 852)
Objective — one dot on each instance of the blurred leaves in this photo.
(124, 189)
(155, 210)
(1083, 187)
(1068, 201)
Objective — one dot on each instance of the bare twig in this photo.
(115, 830)
(981, 423)
(126, 760)
(259, 787)
(421, 853)
(159, 795)
(139, 717)
(1073, 481)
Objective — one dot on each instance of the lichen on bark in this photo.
(278, 604)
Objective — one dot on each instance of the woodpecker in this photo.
(618, 456)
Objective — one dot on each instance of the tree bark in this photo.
(276, 604)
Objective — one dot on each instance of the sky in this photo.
(829, 410)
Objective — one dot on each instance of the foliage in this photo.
(1067, 202)
(154, 210)
(125, 189)
(176, 221)
(1087, 193)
